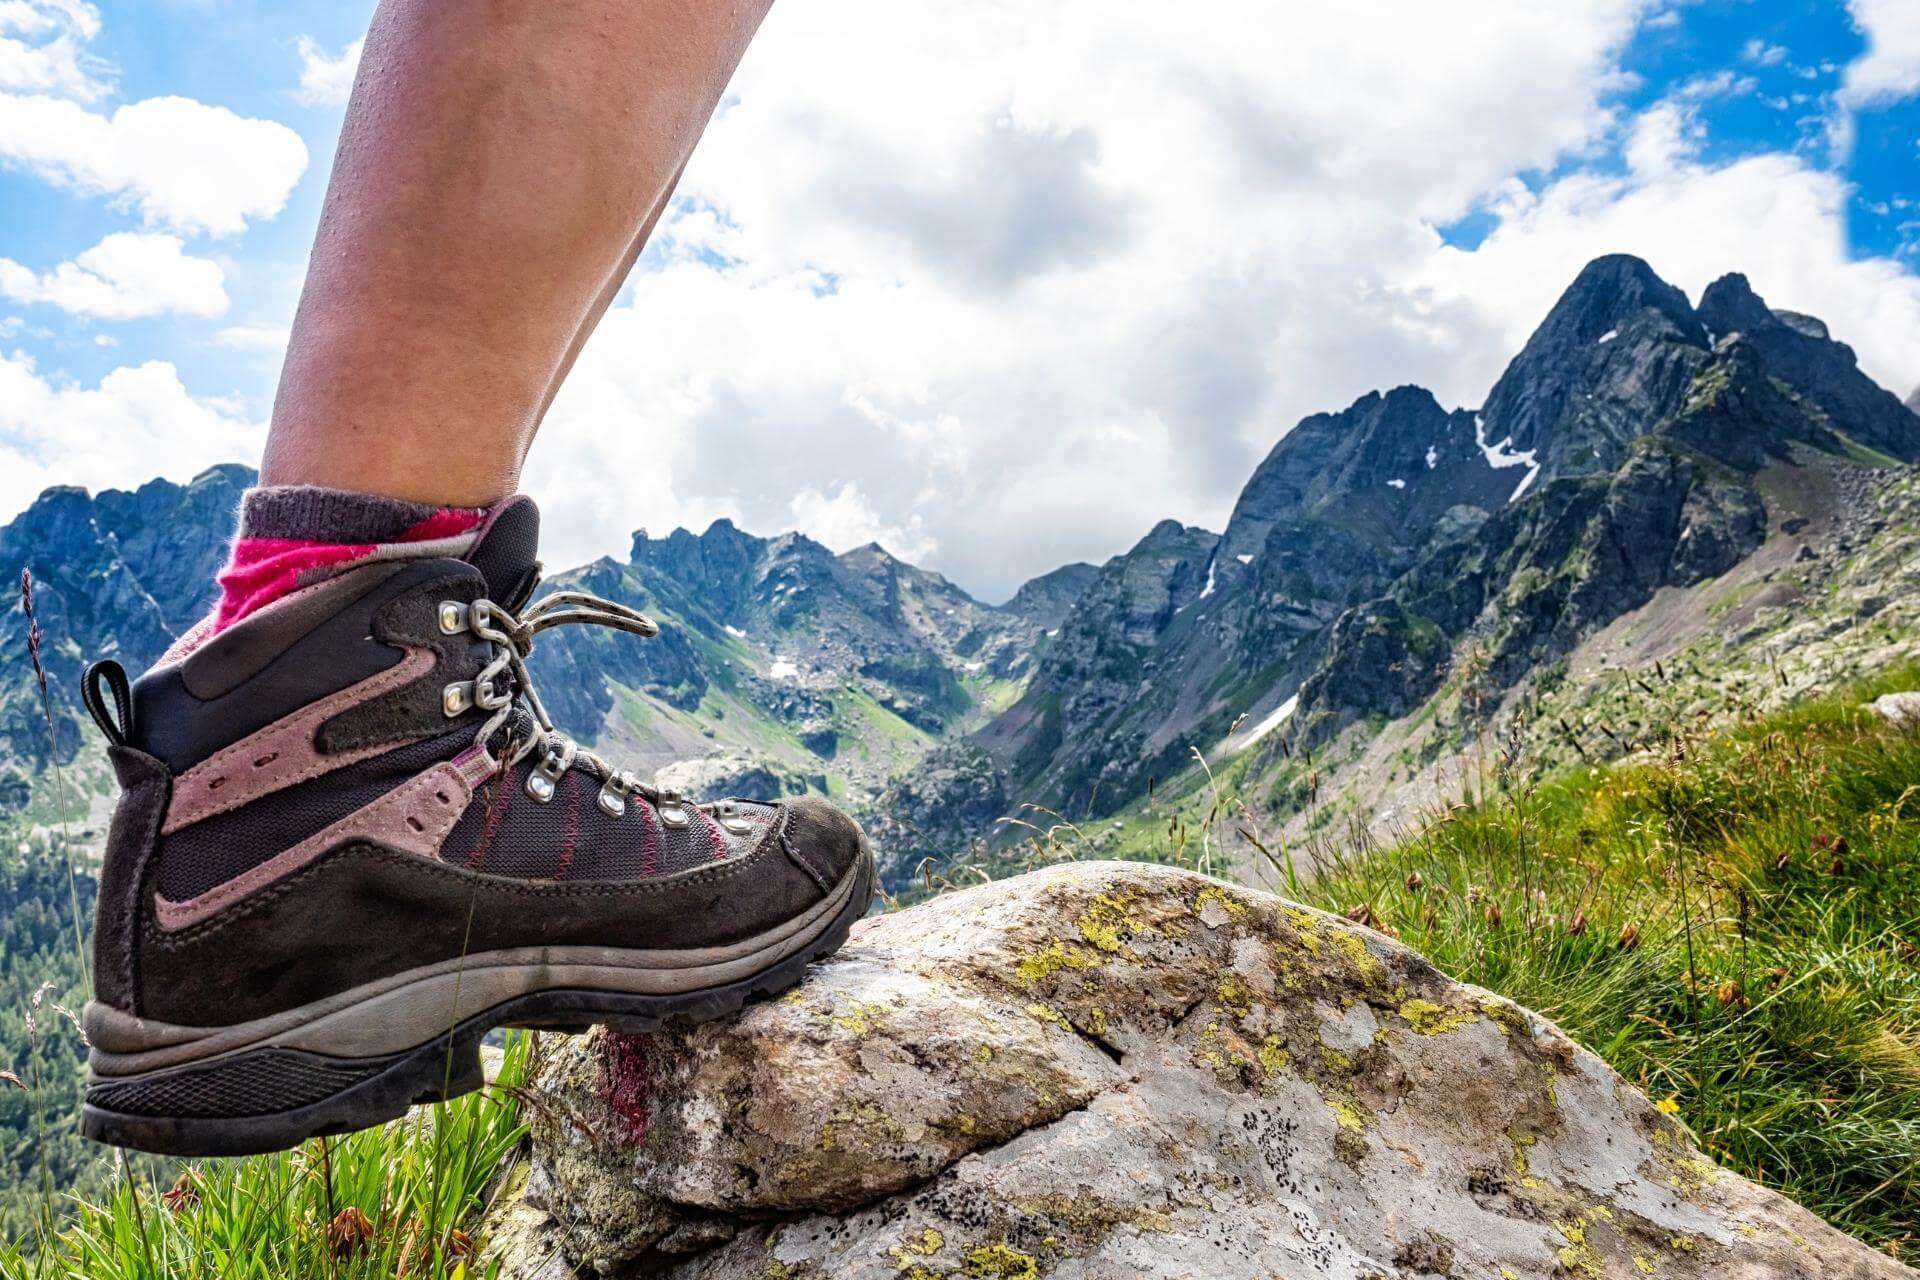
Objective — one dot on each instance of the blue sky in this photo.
(997, 287)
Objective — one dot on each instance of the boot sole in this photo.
(308, 1073)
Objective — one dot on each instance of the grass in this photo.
(1730, 917)
(387, 1202)
(1733, 923)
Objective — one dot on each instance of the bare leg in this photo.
(501, 166)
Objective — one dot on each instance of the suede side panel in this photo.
(124, 872)
(410, 622)
(365, 911)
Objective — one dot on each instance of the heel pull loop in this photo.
(116, 724)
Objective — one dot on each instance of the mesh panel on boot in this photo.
(506, 832)
(214, 850)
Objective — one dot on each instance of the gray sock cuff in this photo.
(315, 514)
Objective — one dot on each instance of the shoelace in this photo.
(512, 638)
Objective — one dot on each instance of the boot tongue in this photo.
(505, 552)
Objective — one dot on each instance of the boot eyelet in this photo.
(736, 825)
(540, 786)
(612, 803)
(457, 698)
(453, 617)
(674, 815)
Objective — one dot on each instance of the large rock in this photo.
(1900, 709)
(1112, 1070)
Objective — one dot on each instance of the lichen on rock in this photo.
(1110, 1070)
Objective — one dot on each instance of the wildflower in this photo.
(1730, 993)
(1629, 937)
(184, 1194)
(1414, 882)
(1669, 1105)
(1493, 915)
(349, 1232)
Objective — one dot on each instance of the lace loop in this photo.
(512, 636)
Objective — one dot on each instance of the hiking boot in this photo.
(350, 844)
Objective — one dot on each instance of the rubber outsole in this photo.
(358, 1093)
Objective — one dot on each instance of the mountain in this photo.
(1396, 572)
(834, 671)
(1718, 481)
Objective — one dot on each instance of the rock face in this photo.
(1113, 1070)
(1899, 708)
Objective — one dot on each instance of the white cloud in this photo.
(846, 520)
(1041, 280)
(1762, 54)
(254, 337)
(138, 422)
(1775, 217)
(1037, 282)
(326, 79)
(43, 48)
(126, 276)
(184, 165)
(1890, 68)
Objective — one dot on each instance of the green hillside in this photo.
(1730, 917)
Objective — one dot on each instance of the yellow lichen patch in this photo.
(1308, 925)
(861, 1019)
(1552, 1073)
(1522, 1141)
(1047, 1013)
(997, 1260)
(1578, 1255)
(1691, 1174)
(1508, 1017)
(1644, 1264)
(1049, 960)
(1096, 1020)
(1337, 1062)
(1233, 993)
(1346, 1115)
(1215, 894)
(1354, 948)
(1274, 1057)
(1430, 1019)
(1683, 1244)
(1106, 918)
(984, 1054)
(1748, 1230)
(928, 1242)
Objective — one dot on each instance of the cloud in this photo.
(846, 520)
(121, 432)
(1017, 289)
(327, 80)
(128, 275)
(43, 48)
(1773, 216)
(1040, 283)
(1762, 54)
(254, 337)
(1890, 68)
(184, 165)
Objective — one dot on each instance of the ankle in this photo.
(290, 536)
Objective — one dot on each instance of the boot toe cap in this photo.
(825, 841)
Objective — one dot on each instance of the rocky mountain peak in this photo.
(1797, 349)
(1730, 305)
(1613, 356)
